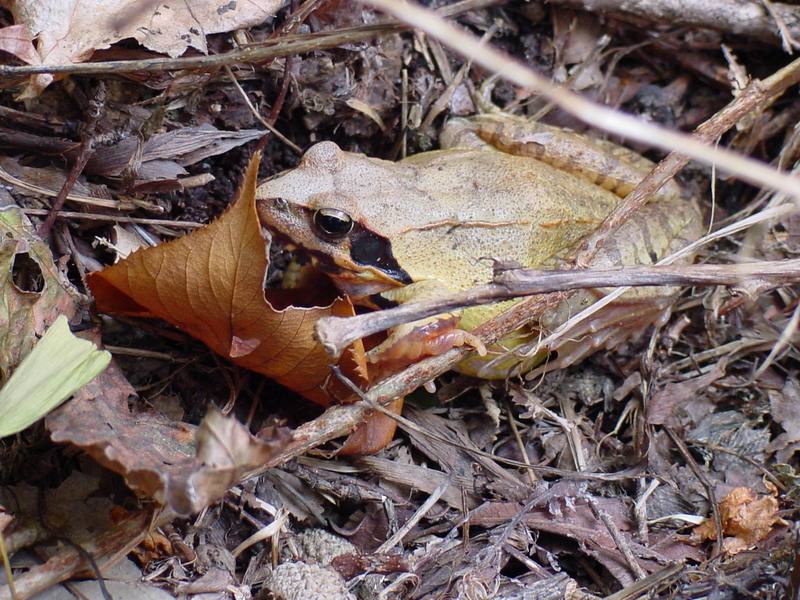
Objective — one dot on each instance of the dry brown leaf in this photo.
(663, 408)
(747, 518)
(68, 31)
(210, 284)
(164, 155)
(174, 463)
(570, 516)
(45, 294)
(785, 409)
(75, 508)
(16, 40)
(143, 447)
(225, 452)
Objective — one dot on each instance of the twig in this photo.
(709, 487)
(415, 518)
(788, 42)
(4, 556)
(616, 534)
(266, 123)
(747, 19)
(281, 97)
(66, 214)
(284, 46)
(648, 584)
(336, 333)
(743, 457)
(80, 198)
(755, 96)
(565, 328)
(95, 110)
(523, 450)
(340, 420)
(291, 25)
(783, 341)
(602, 117)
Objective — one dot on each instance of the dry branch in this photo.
(749, 18)
(336, 333)
(289, 45)
(596, 115)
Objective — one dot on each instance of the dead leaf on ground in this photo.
(747, 518)
(164, 155)
(75, 508)
(661, 409)
(161, 158)
(47, 181)
(225, 452)
(142, 447)
(69, 31)
(174, 463)
(16, 40)
(785, 409)
(33, 299)
(210, 284)
(568, 515)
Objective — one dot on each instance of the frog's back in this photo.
(473, 205)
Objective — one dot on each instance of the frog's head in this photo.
(327, 207)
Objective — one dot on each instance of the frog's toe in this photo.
(614, 325)
(465, 338)
(432, 338)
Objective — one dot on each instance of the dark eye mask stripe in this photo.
(370, 250)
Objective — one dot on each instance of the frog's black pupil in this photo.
(333, 223)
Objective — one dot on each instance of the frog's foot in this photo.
(409, 344)
(614, 325)
(374, 434)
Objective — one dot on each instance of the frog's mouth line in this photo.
(356, 279)
(368, 249)
(361, 263)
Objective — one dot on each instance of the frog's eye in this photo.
(332, 224)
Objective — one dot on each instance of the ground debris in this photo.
(610, 477)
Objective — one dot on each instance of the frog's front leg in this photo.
(411, 342)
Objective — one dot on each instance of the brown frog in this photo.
(501, 188)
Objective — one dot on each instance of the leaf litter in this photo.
(627, 451)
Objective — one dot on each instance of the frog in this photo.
(500, 188)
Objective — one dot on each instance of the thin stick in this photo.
(284, 46)
(336, 333)
(709, 487)
(294, 147)
(415, 518)
(731, 16)
(81, 199)
(616, 535)
(597, 115)
(7, 568)
(66, 214)
(95, 111)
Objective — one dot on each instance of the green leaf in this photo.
(57, 366)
